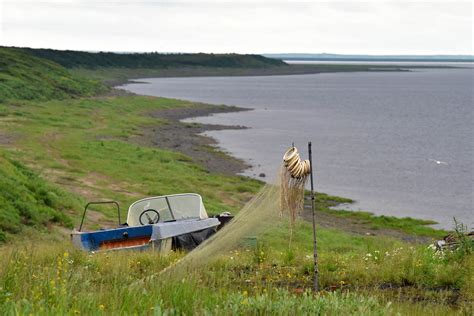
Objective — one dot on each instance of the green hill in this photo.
(26, 77)
(78, 59)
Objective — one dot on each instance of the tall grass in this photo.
(56, 280)
(391, 277)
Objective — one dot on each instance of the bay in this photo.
(399, 143)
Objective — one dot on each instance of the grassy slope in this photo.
(97, 158)
(28, 200)
(87, 146)
(29, 78)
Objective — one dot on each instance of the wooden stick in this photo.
(315, 244)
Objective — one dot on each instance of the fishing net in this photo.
(294, 174)
(260, 213)
(263, 211)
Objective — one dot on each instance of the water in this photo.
(402, 64)
(375, 135)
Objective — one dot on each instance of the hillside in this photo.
(78, 59)
(25, 77)
(27, 200)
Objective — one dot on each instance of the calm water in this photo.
(375, 135)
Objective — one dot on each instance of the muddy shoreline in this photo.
(188, 138)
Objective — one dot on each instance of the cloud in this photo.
(374, 27)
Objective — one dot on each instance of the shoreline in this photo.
(242, 149)
(114, 77)
(188, 139)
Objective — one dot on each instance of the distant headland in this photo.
(372, 58)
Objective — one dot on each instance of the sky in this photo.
(243, 26)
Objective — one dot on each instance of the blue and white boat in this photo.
(161, 223)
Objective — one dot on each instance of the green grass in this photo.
(28, 200)
(55, 280)
(359, 275)
(26, 77)
(408, 225)
(367, 261)
(102, 153)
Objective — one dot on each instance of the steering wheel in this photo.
(152, 217)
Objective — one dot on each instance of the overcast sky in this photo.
(241, 26)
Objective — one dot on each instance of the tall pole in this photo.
(315, 244)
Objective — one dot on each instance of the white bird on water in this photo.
(439, 162)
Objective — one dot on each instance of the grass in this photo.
(408, 225)
(59, 140)
(25, 77)
(28, 200)
(349, 260)
(361, 276)
(53, 280)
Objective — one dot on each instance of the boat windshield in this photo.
(166, 208)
